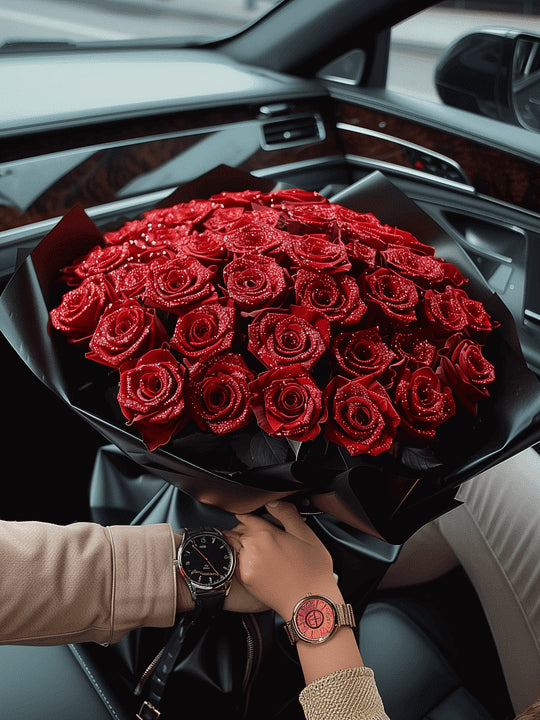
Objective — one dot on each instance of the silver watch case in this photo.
(198, 589)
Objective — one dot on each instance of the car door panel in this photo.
(485, 194)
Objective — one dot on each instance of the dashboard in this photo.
(116, 132)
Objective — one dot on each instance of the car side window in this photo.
(418, 43)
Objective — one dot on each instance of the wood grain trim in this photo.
(98, 178)
(490, 171)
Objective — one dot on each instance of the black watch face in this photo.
(207, 560)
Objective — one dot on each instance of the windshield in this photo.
(125, 20)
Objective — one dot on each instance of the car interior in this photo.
(298, 98)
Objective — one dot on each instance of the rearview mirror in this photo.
(495, 73)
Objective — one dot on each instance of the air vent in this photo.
(295, 130)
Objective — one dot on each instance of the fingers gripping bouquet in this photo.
(251, 343)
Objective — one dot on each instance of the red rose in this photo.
(317, 252)
(321, 216)
(444, 312)
(151, 396)
(158, 243)
(390, 294)
(361, 353)
(465, 369)
(413, 347)
(219, 393)
(125, 331)
(310, 218)
(361, 232)
(178, 284)
(361, 254)
(130, 280)
(422, 269)
(187, 214)
(336, 296)
(398, 236)
(255, 282)
(223, 217)
(287, 403)
(291, 196)
(287, 337)
(79, 312)
(479, 323)
(204, 331)
(208, 247)
(361, 416)
(242, 198)
(131, 230)
(254, 238)
(98, 261)
(424, 402)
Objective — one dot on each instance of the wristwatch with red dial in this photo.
(316, 618)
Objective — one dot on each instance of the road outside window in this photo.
(418, 43)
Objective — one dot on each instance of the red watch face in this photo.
(315, 619)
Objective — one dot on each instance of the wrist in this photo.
(184, 601)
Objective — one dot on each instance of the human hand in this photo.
(281, 565)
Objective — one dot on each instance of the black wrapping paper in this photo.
(387, 496)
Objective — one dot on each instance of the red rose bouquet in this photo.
(283, 309)
(254, 343)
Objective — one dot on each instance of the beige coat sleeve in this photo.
(83, 582)
(350, 693)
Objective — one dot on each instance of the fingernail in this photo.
(274, 503)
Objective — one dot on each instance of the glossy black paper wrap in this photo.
(389, 497)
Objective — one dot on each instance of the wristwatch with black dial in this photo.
(316, 618)
(206, 562)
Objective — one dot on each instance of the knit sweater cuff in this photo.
(349, 693)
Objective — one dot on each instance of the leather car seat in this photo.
(415, 677)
